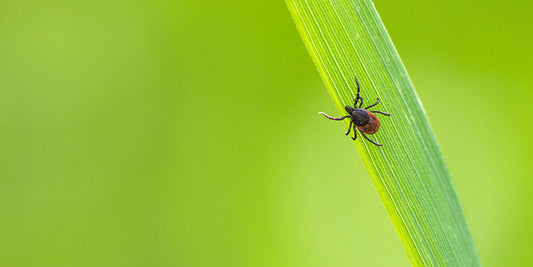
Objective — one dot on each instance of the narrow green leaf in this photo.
(347, 38)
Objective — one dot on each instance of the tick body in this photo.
(361, 118)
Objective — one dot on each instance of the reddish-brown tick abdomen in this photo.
(372, 126)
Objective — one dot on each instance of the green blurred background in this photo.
(164, 133)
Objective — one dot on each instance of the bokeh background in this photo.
(185, 133)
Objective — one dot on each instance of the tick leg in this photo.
(332, 118)
(356, 100)
(349, 128)
(377, 102)
(358, 96)
(370, 140)
(358, 87)
(380, 112)
(354, 133)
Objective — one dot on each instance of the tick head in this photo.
(349, 109)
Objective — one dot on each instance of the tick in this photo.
(361, 118)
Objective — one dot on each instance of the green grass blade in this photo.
(347, 38)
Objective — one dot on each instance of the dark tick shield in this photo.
(361, 118)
